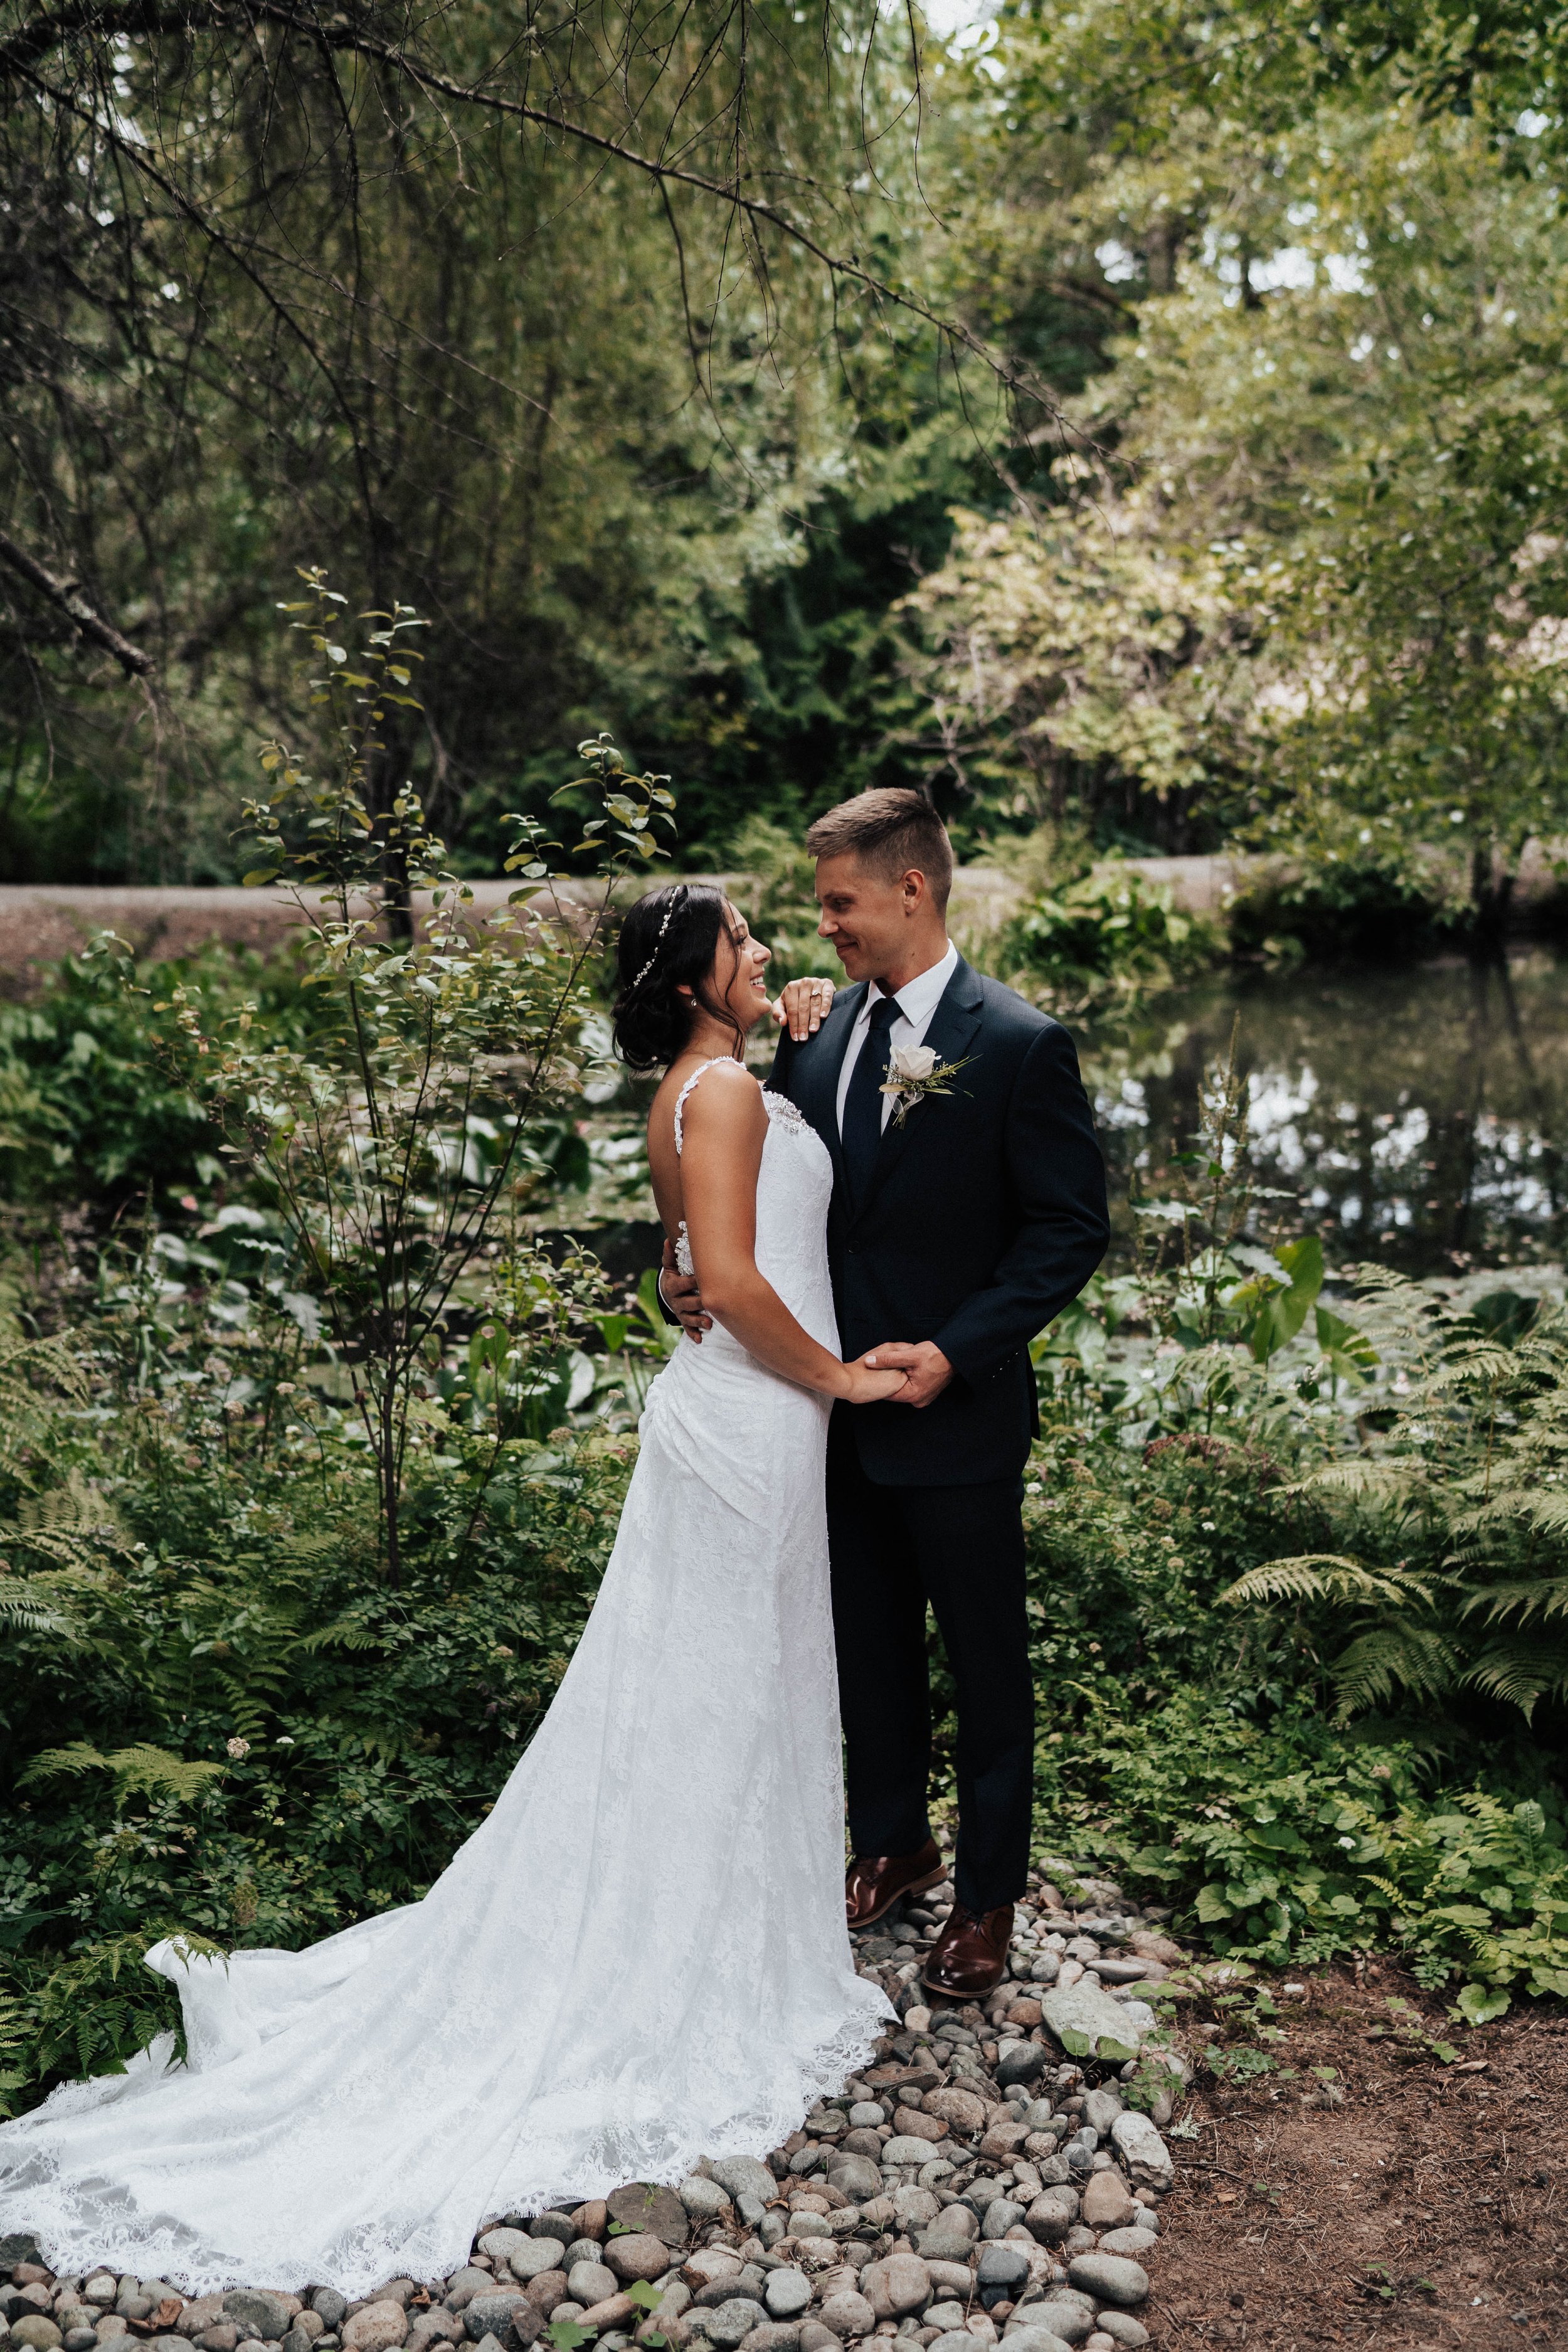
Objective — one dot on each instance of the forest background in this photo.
(1142, 428)
(1144, 419)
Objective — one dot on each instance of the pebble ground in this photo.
(975, 2183)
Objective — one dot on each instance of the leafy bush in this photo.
(1371, 1486)
(1286, 1844)
(1109, 933)
(100, 1099)
(1373, 910)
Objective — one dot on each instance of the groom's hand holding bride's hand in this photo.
(872, 1383)
(926, 1369)
(803, 1005)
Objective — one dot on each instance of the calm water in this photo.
(1419, 1116)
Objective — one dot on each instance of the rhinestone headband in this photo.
(657, 945)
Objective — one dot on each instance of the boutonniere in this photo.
(914, 1072)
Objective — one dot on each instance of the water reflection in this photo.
(1418, 1115)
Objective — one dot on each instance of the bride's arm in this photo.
(724, 1127)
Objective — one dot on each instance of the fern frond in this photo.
(1473, 1360)
(1326, 1576)
(148, 1769)
(1524, 1598)
(71, 1525)
(143, 1769)
(50, 1762)
(1521, 1674)
(344, 1634)
(22, 1614)
(1543, 1510)
(1367, 1671)
(36, 1377)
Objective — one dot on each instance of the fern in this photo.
(344, 1634)
(1471, 1477)
(1521, 1674)
(1371, 1667)
(31, 1611)
(1325, 1576)
(35, 1376)
(142, 1770)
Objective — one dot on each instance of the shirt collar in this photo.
(919, 998)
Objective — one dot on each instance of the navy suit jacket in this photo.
(984, 1217)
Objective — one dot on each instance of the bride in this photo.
(640, 1955)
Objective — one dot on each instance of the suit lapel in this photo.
(952, 1031)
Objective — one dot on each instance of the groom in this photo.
(967, 1217)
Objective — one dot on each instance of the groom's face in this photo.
(867, 919)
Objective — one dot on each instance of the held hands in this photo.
(802, 1007)
(927, 1370)
(871, 1384)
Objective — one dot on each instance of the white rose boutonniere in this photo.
(914, 1072)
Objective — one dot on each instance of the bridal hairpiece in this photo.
(657, 945)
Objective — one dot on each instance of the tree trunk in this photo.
(387, 1448)
(1492, 898)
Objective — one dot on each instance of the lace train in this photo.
(639, 1959)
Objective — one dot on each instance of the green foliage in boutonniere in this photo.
(914, 1072)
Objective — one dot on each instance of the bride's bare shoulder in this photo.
(727, 1094)
(717, 1100)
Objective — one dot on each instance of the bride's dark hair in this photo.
(668, 939)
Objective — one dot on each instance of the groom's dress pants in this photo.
(893, 1549)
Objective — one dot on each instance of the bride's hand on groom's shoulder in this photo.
(871, 1382)
(925, 1369)
(803, 1005)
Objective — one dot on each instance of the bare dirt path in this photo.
(1428, 2211)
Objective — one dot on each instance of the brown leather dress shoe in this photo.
(969, 1953)
(874, 1882)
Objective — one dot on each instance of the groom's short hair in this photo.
(889, 830)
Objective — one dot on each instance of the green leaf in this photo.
(1479, 2004)
(1281, 1308)
(1351, 1354)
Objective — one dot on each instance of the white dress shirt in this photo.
(916, 1001)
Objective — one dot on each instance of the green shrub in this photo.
(1444, 1564)
(1111, 933)
(1376, 911)
(101, 1096)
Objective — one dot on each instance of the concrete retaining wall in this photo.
(41, 921)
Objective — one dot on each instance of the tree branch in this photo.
(342, 33)
(71, 601)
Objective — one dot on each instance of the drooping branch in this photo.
(755, 209)
(70, 601)
(345, 34)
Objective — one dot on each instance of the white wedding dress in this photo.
(637, 1959)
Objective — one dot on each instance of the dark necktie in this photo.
(861, 1135)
